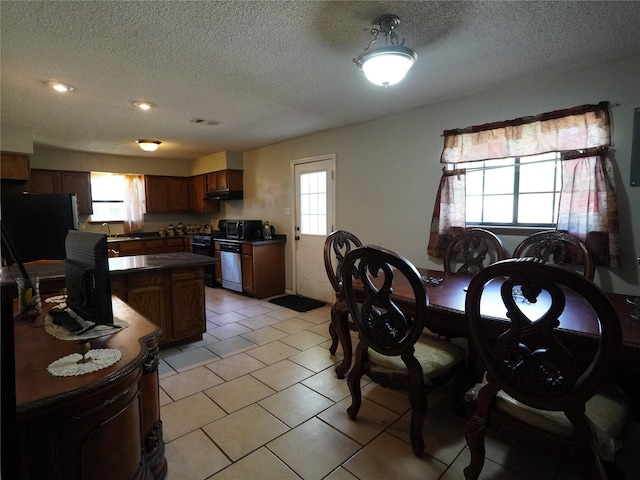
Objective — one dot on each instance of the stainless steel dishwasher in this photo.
(231, 266)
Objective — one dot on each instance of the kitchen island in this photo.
(167, 288)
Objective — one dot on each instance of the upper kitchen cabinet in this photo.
(225, 184)
(197, 192)
(166, 194)
(62, 181)
(15, 166)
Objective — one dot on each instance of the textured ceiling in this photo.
(271, 70)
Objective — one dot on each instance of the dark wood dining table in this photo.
(578, 327)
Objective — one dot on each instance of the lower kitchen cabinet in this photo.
(263, 269)
(148, 293)
(173, 299)
(187, 298)
(152, 246)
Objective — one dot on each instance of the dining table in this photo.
(446, 295)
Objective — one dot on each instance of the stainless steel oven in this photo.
(203, 245)
(231, 265)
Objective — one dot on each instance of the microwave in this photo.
(244, 229)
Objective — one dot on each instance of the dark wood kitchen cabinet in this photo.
(225, 181)
(198, 186)
(153, 246)
(179, 194)
(187, 299)
(172, 298)
(63, 181)
(263, 269)
(166, 194)
(15, 166)
(147, 294)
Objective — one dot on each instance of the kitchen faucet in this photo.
(105, 224)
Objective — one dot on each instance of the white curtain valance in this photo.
(578, 128)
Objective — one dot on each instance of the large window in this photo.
(521, 192)
(107, 191)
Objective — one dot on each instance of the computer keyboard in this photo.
(63, 319)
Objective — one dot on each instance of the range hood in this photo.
(224, 195)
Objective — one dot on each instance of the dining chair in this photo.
(337, 244)
(558, 247)
(537, 392)
(393, 349)
(473, 249)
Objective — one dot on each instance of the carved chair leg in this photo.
(474, 434)
(354, 382)
(340, 321)
(475, 430)
(419, 406)
(334, 338)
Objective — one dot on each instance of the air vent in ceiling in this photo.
(201, 121)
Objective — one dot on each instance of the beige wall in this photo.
(388, 170)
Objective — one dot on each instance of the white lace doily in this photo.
(64, 334)
(68, 366)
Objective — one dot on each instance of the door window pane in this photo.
(313, 197)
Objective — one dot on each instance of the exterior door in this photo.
(314, 219)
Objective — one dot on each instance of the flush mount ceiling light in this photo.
(148, 145)
(388, 64)
(144, 105)
(59, 86)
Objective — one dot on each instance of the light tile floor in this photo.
(258, 398)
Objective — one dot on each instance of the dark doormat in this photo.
(297, 303)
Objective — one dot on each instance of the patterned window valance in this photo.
(577, 128)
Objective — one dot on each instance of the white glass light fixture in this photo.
(144, 105)
(148, 145)
(59, 86)
(388, 64)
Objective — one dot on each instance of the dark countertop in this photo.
(275, 239)
(159, 261)
(133, 237)
(116, 265)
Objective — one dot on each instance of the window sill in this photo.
(515, 231)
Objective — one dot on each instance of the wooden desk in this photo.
(101, 425)
(446, 315)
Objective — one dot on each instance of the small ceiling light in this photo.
(60, 87)
(144, 105)
(148, 145)
(388, 64)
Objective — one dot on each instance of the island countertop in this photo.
(55, 271)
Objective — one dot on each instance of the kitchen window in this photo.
(108, 192)
(514, 192)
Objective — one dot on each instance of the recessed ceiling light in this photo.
(144, 105)
(148, 145)
(59, 86)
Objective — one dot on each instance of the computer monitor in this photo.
(87, 277)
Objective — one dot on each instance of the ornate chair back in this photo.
(529, 369)
(337, 244)
(473, 249)
(393, 349)
(557, 247)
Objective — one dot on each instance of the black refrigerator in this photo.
(37, 224)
